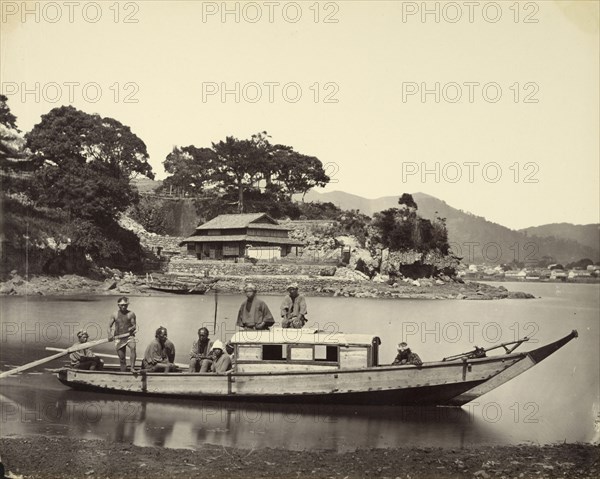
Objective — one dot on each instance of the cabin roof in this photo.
(242, 220)
(300, 336)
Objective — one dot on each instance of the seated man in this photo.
(85, 359)
(230, 350)
(156, 357)
(406, 356)
(293, 308)
(170, 350)
(221, 360)
(200, 359)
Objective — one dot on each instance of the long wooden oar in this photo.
(72, 349)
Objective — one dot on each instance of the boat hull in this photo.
(431, 384)
(166, 289)
(444, 383)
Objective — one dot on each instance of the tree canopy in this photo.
(244, 172)
(403, 229)
(67, 135)
(88, 163)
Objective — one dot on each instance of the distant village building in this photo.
(516, 275)
(558, 274)
(579, 273)
(230, 237)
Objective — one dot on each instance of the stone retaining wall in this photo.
(191, 265)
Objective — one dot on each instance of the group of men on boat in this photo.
(205, 355)
(255, 314)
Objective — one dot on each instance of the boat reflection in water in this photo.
(193, 423)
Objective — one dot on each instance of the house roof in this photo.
(247, 238)
(301, 336)
(235, 221)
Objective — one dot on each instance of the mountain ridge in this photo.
(477, 239)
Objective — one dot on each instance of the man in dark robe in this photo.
(254, 313)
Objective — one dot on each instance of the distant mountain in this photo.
(587, 235)
(479, 240)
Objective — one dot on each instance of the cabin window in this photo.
(326, 353)
(248, 353)
(273, 352)
(301, 354)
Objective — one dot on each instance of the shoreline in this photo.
(132, 285)
(58, 458)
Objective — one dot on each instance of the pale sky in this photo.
(374, 58)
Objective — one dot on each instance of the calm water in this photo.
(557, 400)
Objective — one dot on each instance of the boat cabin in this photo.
(279, 350)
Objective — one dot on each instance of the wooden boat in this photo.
(304, 365)
(179, 288)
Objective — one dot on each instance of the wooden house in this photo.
(230, 237)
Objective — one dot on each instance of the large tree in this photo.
(253, 173)
(88, 162)
(300, 173)
(402, 229)
(240, 163)
(67, 135)
(16, 161)
(192, 170)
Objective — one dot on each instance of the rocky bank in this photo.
(57, 458)
(338, 285)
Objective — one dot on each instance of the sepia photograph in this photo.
(300, 239)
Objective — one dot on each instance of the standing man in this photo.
(254, 313)
(121, 322)
(156, 358)
(293, 308)
(85, 359)
(200, 359)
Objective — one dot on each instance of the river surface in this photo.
(558, 400)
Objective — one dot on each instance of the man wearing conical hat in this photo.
(254, 313)
(221, 360)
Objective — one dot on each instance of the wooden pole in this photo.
(72, 349)
(216, 307)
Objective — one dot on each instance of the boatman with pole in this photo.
(254, 313)
(122, 322)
